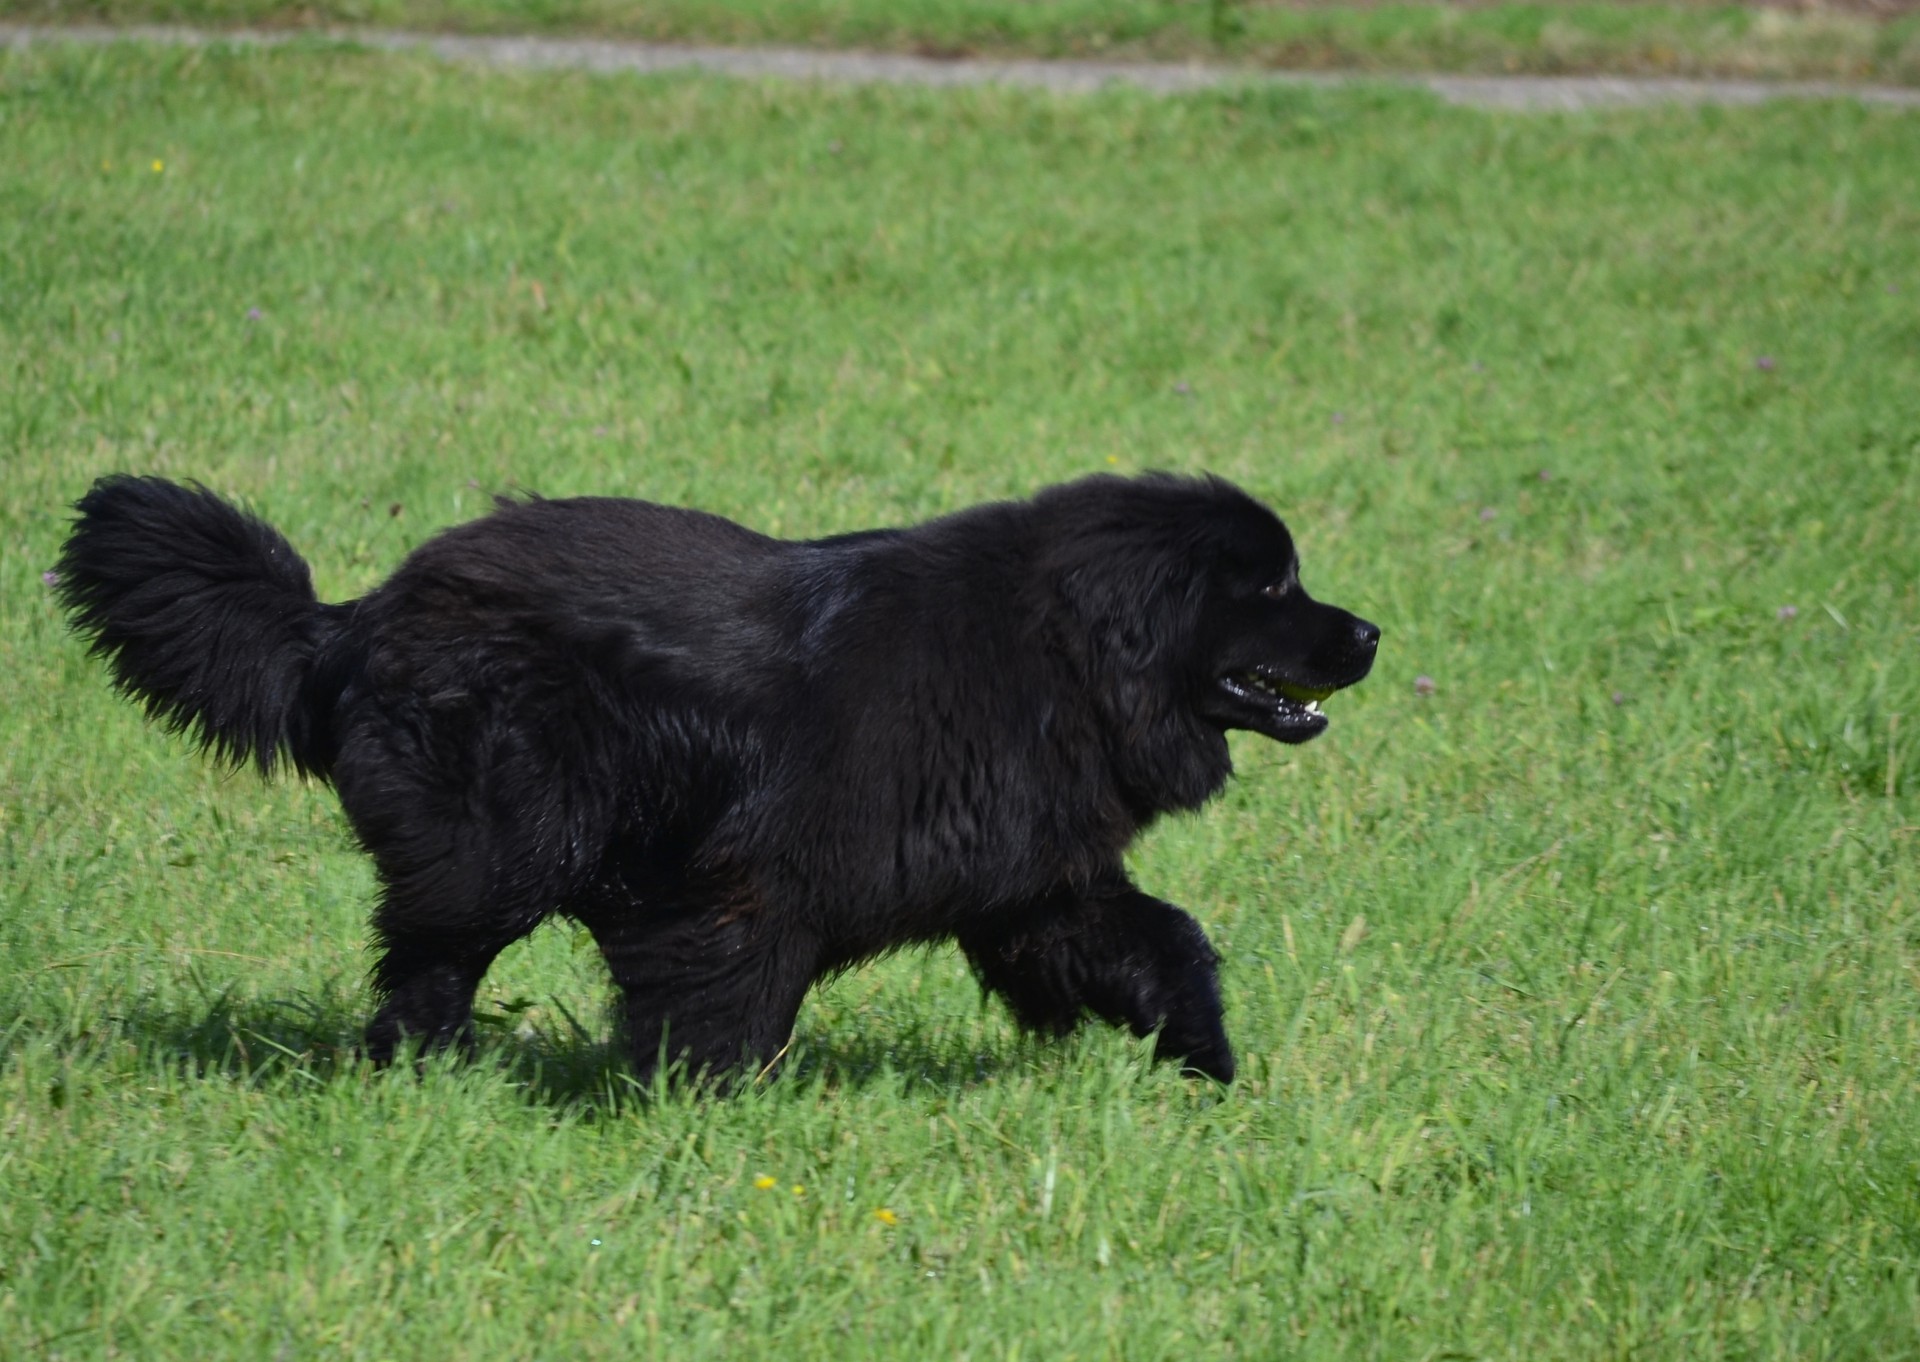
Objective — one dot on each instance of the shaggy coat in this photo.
(744, 763)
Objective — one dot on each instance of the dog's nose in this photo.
(1366, 635)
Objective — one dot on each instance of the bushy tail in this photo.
(206, 615)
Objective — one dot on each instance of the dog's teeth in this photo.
(1313, 706)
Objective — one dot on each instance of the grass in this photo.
(1576, 999)
(1680, 37)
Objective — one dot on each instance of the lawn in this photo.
(1850, 40)
(1573, 971)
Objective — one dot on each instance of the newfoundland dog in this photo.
(746, 763)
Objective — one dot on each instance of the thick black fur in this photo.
(744, 763)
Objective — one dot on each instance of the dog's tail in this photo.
(206, 615)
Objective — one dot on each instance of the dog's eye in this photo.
(1274, 591)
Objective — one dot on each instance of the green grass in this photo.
(1576, 1000)
(1679, 37)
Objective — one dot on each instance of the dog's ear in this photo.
(1132, 607)
(1135, 612)
(1130, 621)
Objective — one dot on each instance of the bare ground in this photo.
(1517, 93)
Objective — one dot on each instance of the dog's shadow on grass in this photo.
(315, 1040)
(254, 1040)
(594, 1077)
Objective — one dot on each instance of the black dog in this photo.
(745, 763)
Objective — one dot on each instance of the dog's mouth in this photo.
(1283, 710)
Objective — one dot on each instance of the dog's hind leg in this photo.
(478, 833)
(438, 929)
(710, 992)
(1126, 957)
(455, 893)
(426, 981)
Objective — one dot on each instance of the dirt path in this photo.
(1520, 93)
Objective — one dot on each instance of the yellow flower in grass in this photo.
(159, 166)
(886, 1217)
(799, 1189)
(763, 1182)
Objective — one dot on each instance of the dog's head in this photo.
(1187, 596)
(1270, 652)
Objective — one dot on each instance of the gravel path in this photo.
(1522, 93)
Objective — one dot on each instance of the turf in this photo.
(1868, 40)
(1573, 970)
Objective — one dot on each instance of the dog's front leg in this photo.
(1128, 958)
